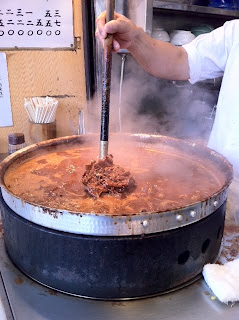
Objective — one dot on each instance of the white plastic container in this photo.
(160, 34)
(181, 37)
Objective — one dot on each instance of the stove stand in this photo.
(29, 300)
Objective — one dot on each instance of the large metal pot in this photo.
(119, 256)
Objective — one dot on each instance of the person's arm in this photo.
(159, 58)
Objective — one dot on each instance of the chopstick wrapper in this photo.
(41, 109)
(223, 280)
(41, 112)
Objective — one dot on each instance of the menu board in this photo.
(36, 24)
(5, 103)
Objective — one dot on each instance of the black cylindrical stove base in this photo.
(112, 267)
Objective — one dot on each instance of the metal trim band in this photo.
(109, 225)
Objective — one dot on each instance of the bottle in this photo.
(16, 141)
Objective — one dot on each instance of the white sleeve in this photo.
(208, 53)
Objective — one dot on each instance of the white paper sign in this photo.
(36, 24)
(5, 103)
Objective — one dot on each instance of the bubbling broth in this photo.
(163, 181)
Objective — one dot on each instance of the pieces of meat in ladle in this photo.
(105, 177)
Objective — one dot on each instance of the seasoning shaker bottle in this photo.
(16, 141)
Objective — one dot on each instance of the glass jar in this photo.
(16, 141)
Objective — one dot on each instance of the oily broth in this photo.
(163, 181)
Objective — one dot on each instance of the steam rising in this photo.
(149, 104)
(152, 105)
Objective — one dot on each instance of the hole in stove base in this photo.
(183, 257)
(205, 245)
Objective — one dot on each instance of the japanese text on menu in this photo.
(39, 24)
(13, 23)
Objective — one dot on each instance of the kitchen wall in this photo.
(48, 72)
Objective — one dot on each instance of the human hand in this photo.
(123, 30)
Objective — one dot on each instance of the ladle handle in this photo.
(106, 82)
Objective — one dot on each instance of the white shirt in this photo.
(210, 56)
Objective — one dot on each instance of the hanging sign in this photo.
(5, 103)
(36, 24)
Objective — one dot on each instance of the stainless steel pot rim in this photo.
(112, 225)
(109, 225)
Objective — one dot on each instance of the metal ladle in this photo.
(106, 82)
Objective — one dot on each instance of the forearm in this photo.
(159, 58)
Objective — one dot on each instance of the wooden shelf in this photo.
(168, 5)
